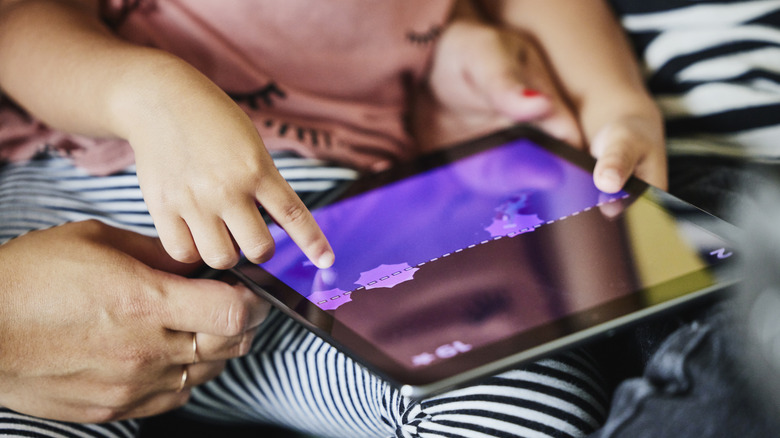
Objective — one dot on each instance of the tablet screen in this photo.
(493, 249)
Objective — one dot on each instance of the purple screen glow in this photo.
(435, 264)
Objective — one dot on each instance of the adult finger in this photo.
(173, 392)
(211, 347)
(222, 314)
(184, 377)
(207, 306)
(288, 211)
(192, 348)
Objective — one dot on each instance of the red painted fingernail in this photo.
(528, 92)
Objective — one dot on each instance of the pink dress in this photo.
(325, 79)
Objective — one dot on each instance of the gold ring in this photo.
(194, 348)
(184, 375)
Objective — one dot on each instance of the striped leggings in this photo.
(291, 378)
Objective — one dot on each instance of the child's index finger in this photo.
(288, 211)
(325, 260)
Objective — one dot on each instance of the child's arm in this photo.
(589, 52)
(201, 164)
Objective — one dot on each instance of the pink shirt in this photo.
(323, 78)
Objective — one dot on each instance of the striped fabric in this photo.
(17, 425)
(299, 381)
(714, 68)
(292, 378)
(49, 192)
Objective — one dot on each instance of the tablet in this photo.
(496, 251)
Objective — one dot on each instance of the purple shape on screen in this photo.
(330, 299)
(429, 216)
(517, 224)
(386, 275)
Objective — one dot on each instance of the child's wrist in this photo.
(145, 89)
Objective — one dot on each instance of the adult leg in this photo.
(13, 424)
(294, 379)
(49, 192)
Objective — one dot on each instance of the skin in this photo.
(621, 125)
(201, 164)
(203, 169)
(78, 348)
(560, 65)
(202, 198)
(484, 79)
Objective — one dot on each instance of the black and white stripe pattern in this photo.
(18, 425)
(292, 378)
(714, 68)
(292, 371)
(48, 192)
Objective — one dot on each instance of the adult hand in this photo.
(97, 325)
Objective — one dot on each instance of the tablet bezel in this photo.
(470, 365)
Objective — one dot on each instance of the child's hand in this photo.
(598, 73)
(203, 170)
(482, 79)
(201, 165)
(629, 143)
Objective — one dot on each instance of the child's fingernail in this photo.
(611, 181)
(326, 260)
(529, 92)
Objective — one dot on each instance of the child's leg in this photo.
(294, 379)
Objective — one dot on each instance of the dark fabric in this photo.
(712, 376)
(694, 386)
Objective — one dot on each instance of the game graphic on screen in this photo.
(465, 255)
(476, 203)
